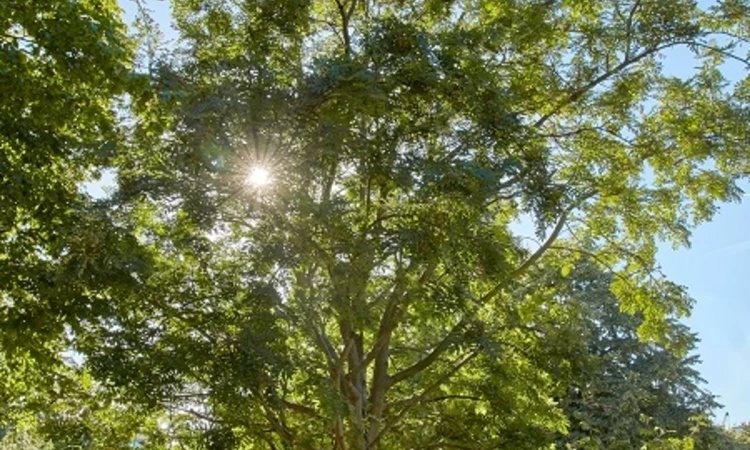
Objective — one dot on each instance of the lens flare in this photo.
(258, 177)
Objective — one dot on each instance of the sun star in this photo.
(258, 177)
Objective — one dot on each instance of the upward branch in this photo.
(430, 359)
(576, 94)
(531, 260)
(421, 397)
(346, 15)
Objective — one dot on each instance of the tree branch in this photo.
(301, 409)
(578, 93)
(629, 28)
(388, 321)
(418, 399)
(542, 248)
(345, 15)
(435, 399)
(718, 50)
(433, 356)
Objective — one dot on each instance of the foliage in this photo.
(61, 66)
(709, 436)
(620, 392)
(22, 440)
(370, 289)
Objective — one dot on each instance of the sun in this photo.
(258, 177)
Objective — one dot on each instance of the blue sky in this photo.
(714, 270)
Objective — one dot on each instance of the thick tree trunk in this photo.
(354, 387)
(380, 384)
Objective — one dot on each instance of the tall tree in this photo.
(327, 188)
(62, 66)
(620, 392)
(312, 240)
(717, 437)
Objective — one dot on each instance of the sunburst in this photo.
(258, 177)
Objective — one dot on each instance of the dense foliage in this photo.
(370, 289)
(622, 393)
(61, 65)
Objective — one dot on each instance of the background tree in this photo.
(22, 440)
(707, 435)
(63, 66)
(620, 392)
(359, 285)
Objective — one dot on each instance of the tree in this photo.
(707, 435)
(363, 298)
(63, 68)
(620, 392)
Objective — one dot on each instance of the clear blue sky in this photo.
(713, 269)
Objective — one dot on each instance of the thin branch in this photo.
(442, 445)
(202, 416)
(388, 321)
(435, 400)
(325, 345)
(433, 356)
(283, 431)
(596, 258)
(345, 353)
(345, 27)
(578, 93)
(350, 12)
(191, 395)
(382, 340)
(301, 409)
(718, 50)
(629, 32)
(542, 248)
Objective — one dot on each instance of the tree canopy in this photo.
(621, 392)
(61, 66)
(315, 240)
